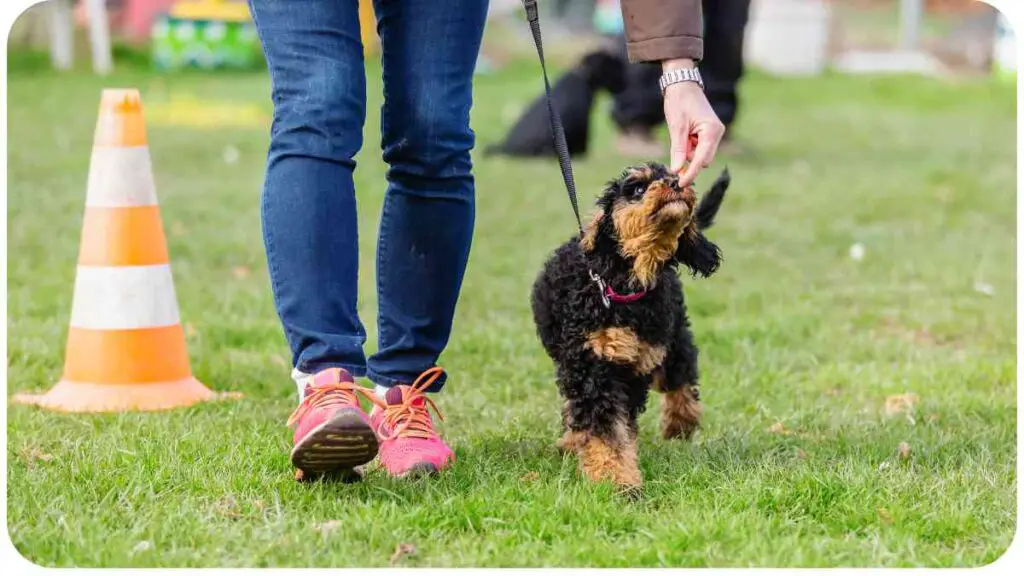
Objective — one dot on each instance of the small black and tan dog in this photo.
(610, 350)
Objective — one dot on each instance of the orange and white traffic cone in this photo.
(126, 347)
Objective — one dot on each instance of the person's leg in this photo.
(639, 105)
(318, 86)
(638, 109)
(429, 54)
(724, 24)
(315, 56)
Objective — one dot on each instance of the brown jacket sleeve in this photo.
(663, 29)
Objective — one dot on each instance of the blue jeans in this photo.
(315, 57)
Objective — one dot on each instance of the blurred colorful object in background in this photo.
(608, 18)
(138, 17)
(220, 34)
(205, 34)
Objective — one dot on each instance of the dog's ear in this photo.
(589, 239)
(700, 255)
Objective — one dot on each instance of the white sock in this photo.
(381, 391)
(301, 379)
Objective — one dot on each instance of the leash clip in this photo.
(602, 288)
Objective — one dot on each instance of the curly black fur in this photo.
(567, 307)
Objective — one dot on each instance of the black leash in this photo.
(557, 131)
(558, 135)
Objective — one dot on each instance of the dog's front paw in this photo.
(570, 442)
(672, 429)
(681, 413)
(600, 460)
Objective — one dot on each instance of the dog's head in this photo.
(604, 70)
(648, 220)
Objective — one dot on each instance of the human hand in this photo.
(693, 127)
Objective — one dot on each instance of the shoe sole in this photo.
(344, 476)
(419, 471)
(336, 447)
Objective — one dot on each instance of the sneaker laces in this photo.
(410, 418)
(327, 395)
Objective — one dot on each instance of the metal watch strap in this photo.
(678, 75)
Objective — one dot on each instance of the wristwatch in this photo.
(678, 75)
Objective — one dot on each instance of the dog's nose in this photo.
(670, 187)
(669, 184)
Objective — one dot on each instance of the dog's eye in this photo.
(637, 190)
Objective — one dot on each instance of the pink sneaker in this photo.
(409, 445)
(332, 433)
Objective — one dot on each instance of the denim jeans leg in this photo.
(315, 56)
(430, 50)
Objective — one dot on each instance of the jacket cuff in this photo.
(658, 49)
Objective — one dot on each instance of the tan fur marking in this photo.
(612, 459)
(658, 379)
(650, 358)
(614, 344)
(641, 173)
(590, 232)
(649, 231)
(623, 346)
(571, 441)
(599, 460)
(629, 469)
(680, 414)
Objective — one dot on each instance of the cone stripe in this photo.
(148, 355)
(121, 177)
(123, 237)
(124, 298)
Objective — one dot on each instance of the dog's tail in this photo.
(712, 201)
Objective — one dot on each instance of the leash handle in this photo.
(557, 131)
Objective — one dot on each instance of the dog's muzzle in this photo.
(670, 201)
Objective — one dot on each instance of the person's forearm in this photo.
(677, 63)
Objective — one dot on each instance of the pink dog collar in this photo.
(623, 298)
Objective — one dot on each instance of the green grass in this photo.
(792, 330)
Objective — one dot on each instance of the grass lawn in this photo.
(798, 463)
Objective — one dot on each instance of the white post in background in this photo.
(62, 33)
(1004, 56)
(789, 37)
(99, 37)
(910, 23)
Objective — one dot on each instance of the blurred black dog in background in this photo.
(572, 96)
